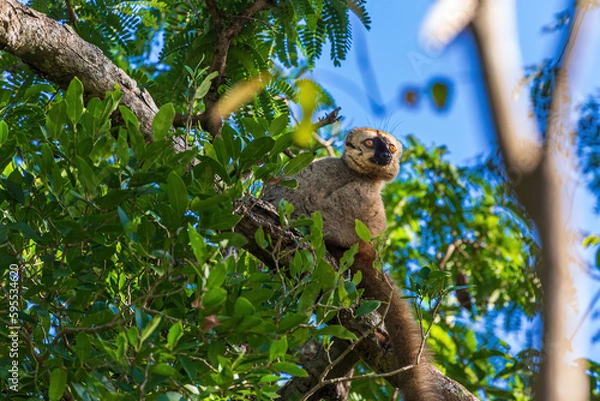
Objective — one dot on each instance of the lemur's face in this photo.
(373, 152)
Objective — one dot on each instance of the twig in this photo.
(224, 39)
(71, 11)
(268, 25)
(194, 9)
(426, 334)
(328, 119)
(289, 153)
(88, 330)
(365, 376)
(326, 144)
(451, 248)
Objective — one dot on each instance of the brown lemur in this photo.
(343, 190)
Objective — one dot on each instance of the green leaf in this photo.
(123, 217)
(591, 240)
(87, 176)
(424, 273)
(348, 259)
(225, 221)
(243, 307)
(278, 348)
(293, 184)
(222, 151)
(439, 95)
(15, 190)
(164, 369)
(217, 276)
(133, 336)
(83, 347)
(337, 331)
(278, 125)
(362, 231)
(57, 180)
(171, 396)
(58, 382)
(175, 333)
(205, 85)
(259, 238)
(149, 328)
(213, 298)
(367, 307)
(298, 163)
(290, 368)
(163, 121)
(74, 100)
(56, 119)
(123, 153)
(324, 275)
(255, 151)
(134, 134)
(3, 131)
(309, 296)
(282, 143)
(291, 321)
(198, 245)
(177, 193)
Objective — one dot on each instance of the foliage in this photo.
(130, 278)
(133, 283)
(127, 280)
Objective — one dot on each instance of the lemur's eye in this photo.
(369, 143)
(393, 148)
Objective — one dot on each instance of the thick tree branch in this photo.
(58, 54)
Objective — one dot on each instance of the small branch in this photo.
(270, 26)
(224, 39)
(328, 119)
(194, 9)
(370, 375)
(426, 334)
(215, 15)
(350, 348)
(72, 14)
(88, 330)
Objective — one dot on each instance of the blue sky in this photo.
(397, 60)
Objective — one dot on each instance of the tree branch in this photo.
(58, 54)
(539, 190)
(224, 38)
